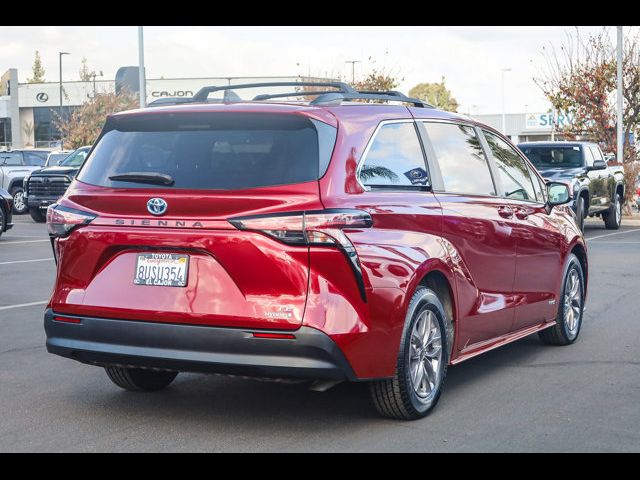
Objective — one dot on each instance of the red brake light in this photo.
(62, 220)
(321, 227)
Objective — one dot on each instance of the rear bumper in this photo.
(99, 341)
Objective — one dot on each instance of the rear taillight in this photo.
(321, 227)
(62, 220)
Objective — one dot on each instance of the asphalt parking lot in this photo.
(522, 397)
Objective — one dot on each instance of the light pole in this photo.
(141, 80)
(60, 54)
(620, 142)
(353, 69)
(94, 75)
(504, 118)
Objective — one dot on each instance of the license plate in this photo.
(161, 269)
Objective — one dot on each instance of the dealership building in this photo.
(28, 110)
(527, 127)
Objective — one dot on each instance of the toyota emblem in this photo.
(157, 206)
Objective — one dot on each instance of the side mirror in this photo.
(557, 194)
(59, 162)
(598, 165)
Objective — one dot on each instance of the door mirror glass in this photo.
(557, 193)
(598, 165)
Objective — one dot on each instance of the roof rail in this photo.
(202, 94)
(341, 92)
(336, 98)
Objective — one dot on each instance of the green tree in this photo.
(579, 78)
(37, 69)
(84, 124)
(85, 74)
(437, 94)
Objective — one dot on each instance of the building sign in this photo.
(544, 121)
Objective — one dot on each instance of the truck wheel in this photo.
(19, 205)
(415, 388)
(570, 308)
(613, 217)
(139, 379)
(2, 220)
(37, 215)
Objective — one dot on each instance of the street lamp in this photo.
(94, 75)
(353, 69)
(142, 87)
(504, 119)
(60, 54)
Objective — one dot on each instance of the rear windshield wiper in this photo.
(144, 177)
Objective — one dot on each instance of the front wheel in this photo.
(37, 215)
(139, 379)
(19, 204)
(571, 308)
(613, 217)
(421, 368)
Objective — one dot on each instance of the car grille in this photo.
(48, 187)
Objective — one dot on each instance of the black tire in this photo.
(21, 206)
(2, 220)
(561, 333)
(580, 213)
(37, 215)
(138, 379)
(613, 217)
(396, 397)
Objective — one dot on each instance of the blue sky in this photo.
(469, 57)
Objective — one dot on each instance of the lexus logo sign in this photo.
(42, 97)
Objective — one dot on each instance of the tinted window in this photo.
(461, 159)
(597, 154)
(548, 156)
(76, 159)
(210, 151)
(394, 158)
(10, 159)
(33, 159)
(512, 169)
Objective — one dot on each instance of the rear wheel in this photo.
(613, 217)
(415, 388)
(138, 379)
(19, 205)
(2, 220)
(570, 310)
(37, 215)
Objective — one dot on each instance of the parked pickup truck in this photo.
(45, 186)
(598, 189)
(14, 166)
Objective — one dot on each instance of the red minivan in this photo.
(332, 239)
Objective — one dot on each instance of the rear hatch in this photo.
(158, 191)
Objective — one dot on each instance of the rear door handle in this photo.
(505, 212)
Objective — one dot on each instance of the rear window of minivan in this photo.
(218, 151)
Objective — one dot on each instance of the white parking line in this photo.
(24, 241)
(20, 305)
(611, 234)
(27, 261)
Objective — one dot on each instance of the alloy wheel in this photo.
(573, 303)
(425, 355)
(18, 201)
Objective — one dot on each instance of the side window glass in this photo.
(11, 159)
(512, 169)
(588, 156)
(597, 154)
(395, 158)
(34, 160)
(461, 159)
